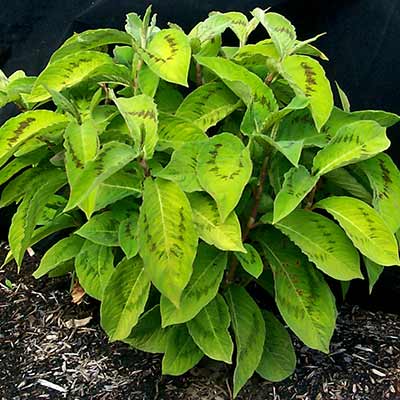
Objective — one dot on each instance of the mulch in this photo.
(53, 349)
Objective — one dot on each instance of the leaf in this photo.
(168, 97)
(365, 227)
(88, 40)
(303, 297)
(224, 167)
(251, 261)
(307, 78)
(323, 242)
(140, 114)
(282, 32)
(127, 235)
(66, 72)
(208, 270)
(209, 330)
(148, 335)
(18, 130)
(208, 104)
(211, 27)
(249, 328)
(297, 184)
(148, 81)
(279, 359)
(168, 241)
(181, 353)
(352, 143)
(101, 229)
(384, 178)
(343, 98)
(182, 168)
(374, 271)
(168, 55)
(124, 299)
(64, 250)
(94, 265)
(223, 235)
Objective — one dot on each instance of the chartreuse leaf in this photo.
(209, 330)
(251, 261)
(181, 352)
(90, 39)
(168, 55)
(66, 72)
(148, 81)
(374, 271)
(224, 167)
(323, 242)
(124, 298)
(29, 211)
(208, 104)
(307, 78)
(17, 130)
(343, 98)
(140, 114)
(282, 32)
(101, 229)
(214, 25)
(223, 235)
(148, 335)
(208, 270)
(354, 142)
(168, 241)
(94, 265)
(249, 328)
(111, 158)
(298, 182)
(64, 250)
(365, 227)
(182, 167)
(303, 297)
(279, 359)
(384, 178)
(127, 235)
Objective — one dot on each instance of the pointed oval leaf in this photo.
(374, 271)
(209, 330)
(208, 270)
(127, 235)
(224, 168)
(365, 227)
(251, 261)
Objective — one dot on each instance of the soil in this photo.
(51, 348)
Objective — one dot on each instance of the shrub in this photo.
(185, 174)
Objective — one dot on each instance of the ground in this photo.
(53, 349)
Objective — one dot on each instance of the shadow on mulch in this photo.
(44, 355)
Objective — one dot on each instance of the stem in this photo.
(199, 76)
(145, 166)
(136, 78)
(310, 197)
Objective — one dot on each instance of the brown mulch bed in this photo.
(45, 354)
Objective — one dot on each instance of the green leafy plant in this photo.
(184, 174)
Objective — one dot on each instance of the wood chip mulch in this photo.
(53, 349)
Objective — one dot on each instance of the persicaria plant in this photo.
(187, 177)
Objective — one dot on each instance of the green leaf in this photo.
(66, 72)
(148, 335)
(223, 235)
(168, 241)
(297, 184)
(168, 97)
(94, 265)
(208, 104)
(224, 168)
(148, 81)
(209, 330)
(303, 297)
(181, 352)
(168, 55)
(307, 78)
(124, 299)
(365, 227)
(211, 27)
(249, 328)
(208, 270)
(140, 114)
(251, 261)
(384, 178)
(64, 250)
(323, 242)
(88, 40)
(374, 271)
(354, 142)
(127, 235)
(18, 130)
(343, 98)
(279, 359)
(101, 229)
